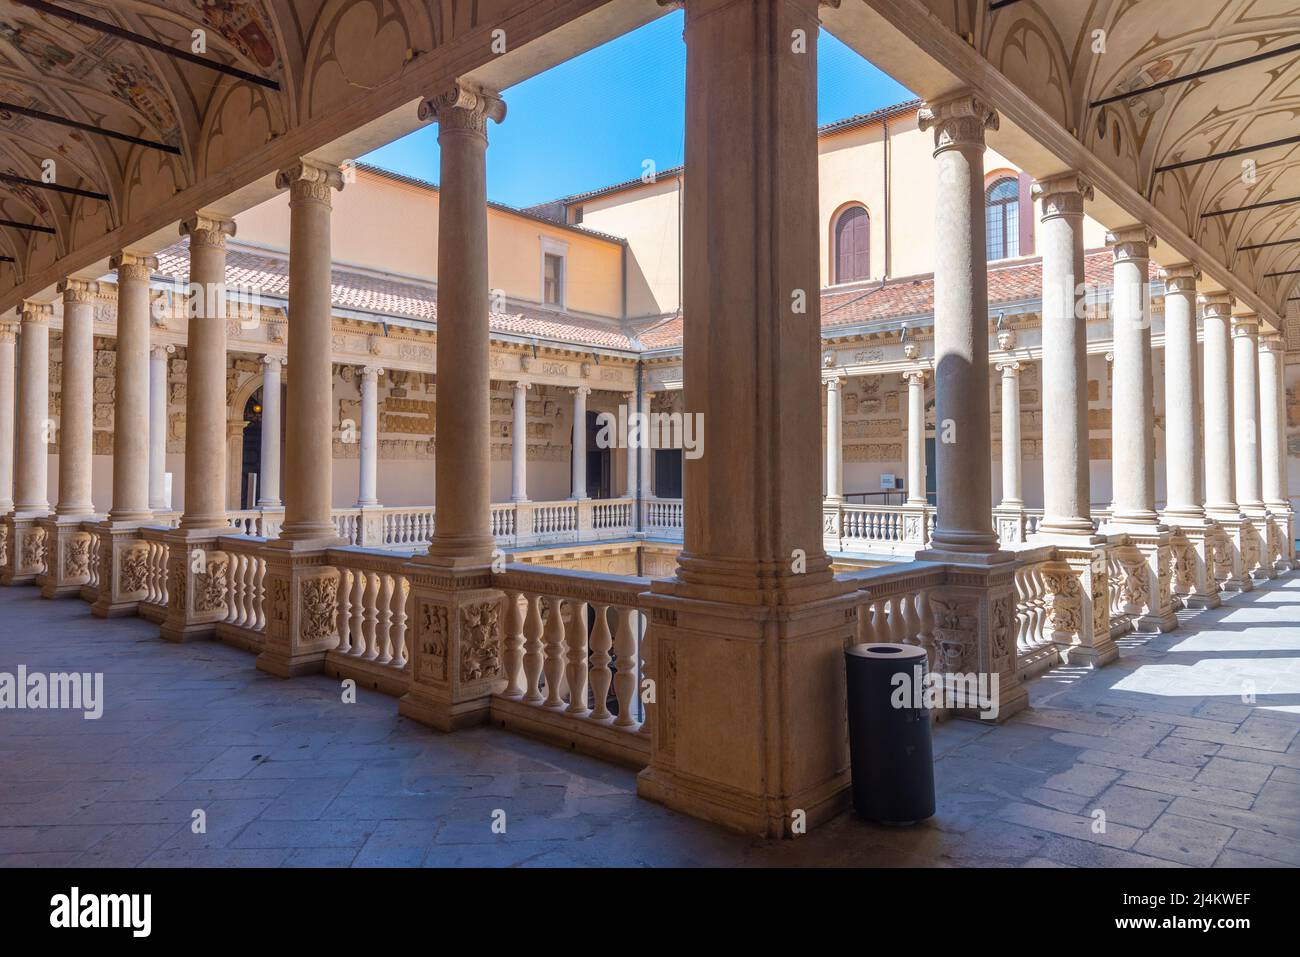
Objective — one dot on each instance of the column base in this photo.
(1230, 551)
(1078, 582)
(1009, 523)
(454, 645)
(67, 556)
(198, 582)
(732, 747)
(22, 548)
(301, 602)
(124, 569)
(1146, 588)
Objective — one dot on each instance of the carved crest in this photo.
(480, 641)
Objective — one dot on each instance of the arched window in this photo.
(853, 245)
(1002, 218)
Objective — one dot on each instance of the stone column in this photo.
(24, 540)
(519, 444)
(1184, 512)
(301, 585)
(629, 449)
(1220, 477)
(368, 484)
(1067, 518)
(1132, 429)
(159, 357)
(1273, 454)
(963, 526)
(1145, 554)
(67, 546)
(916, 437)
(458, 614)
(122, 552)
(269, 486)
(645, 454)
(754, 611)
(1011, 490)
(197, 571)
(8, 355)
(974, 613)
(1245, 368)
(578, 483)
(835, 440)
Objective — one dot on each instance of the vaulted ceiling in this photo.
(279, 78)
(1066, 56)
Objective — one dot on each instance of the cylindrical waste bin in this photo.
(889, 733)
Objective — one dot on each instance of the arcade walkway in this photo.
(288, 775)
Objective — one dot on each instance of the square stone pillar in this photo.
(1146, 588)
(123, 562)
(1192, 544)
(1078, 583)
(745, 643)
(22, 549)
(301, 594)
(67, 557)
(198, 584)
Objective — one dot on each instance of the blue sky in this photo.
(594, 120)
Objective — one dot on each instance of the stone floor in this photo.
(1161, 742)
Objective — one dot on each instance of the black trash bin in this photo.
(889, 745)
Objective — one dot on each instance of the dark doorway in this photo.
(668, 473)
(600, 463)
(252, 451)
(930, 476)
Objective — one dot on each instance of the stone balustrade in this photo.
(373, 619)
(245, 621)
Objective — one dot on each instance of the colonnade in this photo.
(745, 642)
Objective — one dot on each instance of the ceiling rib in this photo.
(53, 187)
(132, 37)
(29, 227)
(1208, 71)
(1228, 154)
(1243, 209)
(85, 127)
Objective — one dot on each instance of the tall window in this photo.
(1002, 218)
(553, 280)
(853, 245)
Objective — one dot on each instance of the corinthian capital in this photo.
(37, 313)
(1131, 243)
(463, 107)
(8, 331)
(1062, 195)
(130, 266)
(309, 180)
(78, 291)
(207, 230)
(1245, 325)
(958, 120)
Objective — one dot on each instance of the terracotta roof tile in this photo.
(405, 299)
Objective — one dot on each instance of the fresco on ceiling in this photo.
(244, 25)
(96, 60)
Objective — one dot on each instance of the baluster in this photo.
(345, 610)
(926, 634)
(911, 619)
(625, 678)
(532, 649)
(261, 595)
(358, 611)
(384, 619)
(371, 608)
(576, 642)
(512, 654)
(402, 603)
(554, 666)
(601, 642)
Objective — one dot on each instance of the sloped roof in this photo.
(399, 298)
